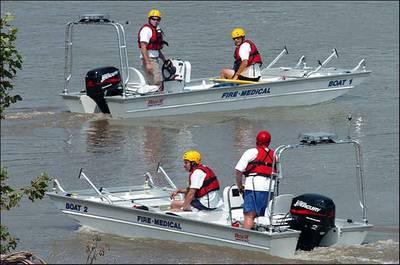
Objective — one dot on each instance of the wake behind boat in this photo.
(291, 222)
(125, 94)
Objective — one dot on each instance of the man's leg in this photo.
(249, 220)
(227, 73)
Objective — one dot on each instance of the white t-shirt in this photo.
(145, 36)
(252, 71)
(261, 183)
(211, 199)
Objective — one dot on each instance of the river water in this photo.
(39, 134)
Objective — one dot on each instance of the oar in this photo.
(235, 81)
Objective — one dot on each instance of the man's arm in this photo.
(146, 58)
(239, 179)
(242, 66)
(188, 199)
(161, 55)
(182, 190)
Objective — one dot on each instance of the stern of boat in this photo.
(346, 232)
(80, 103)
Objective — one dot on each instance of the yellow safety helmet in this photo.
(238, 32)
(154, 13)
(192, 156)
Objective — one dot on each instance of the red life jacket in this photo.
(156, 40)
(262, 165)
(254, 57)
(210, 182)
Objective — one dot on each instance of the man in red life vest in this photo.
(256, 165)
(150, 42)
(202, 192)
(247, 59)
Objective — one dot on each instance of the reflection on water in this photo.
(141, 251)
(100, 135)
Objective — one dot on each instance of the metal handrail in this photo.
(122, 50)
(361, 187)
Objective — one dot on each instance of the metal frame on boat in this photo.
(143, 211)
(280, 86)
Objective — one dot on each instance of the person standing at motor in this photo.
(202, 192)
(256, 165)
(150, 42)
(247, 64)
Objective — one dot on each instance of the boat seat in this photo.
(233, 203)
(281, 213)
(137, 83)
(281, 204)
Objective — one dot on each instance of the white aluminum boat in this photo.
(124, 93)
(291, 222)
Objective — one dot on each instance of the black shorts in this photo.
(197, 204)
(248, 78)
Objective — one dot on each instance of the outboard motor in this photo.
(100, 82)
(314, 216)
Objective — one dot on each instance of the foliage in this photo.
(10, 198)
(10, 60)
(93, 250)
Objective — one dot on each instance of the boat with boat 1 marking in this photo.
(124, 93)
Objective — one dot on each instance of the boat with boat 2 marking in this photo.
(124, 93)
(292, 221)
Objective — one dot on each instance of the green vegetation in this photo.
(11, 61)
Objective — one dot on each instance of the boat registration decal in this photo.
(246, 92)
(241, 237)
(76, 207)
(335, 83)
(155, 102)
(159, 222)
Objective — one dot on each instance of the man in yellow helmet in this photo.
(202, 191)
(150, 42)
(247, 59)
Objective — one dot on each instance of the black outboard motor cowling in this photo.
(100, 82)
(314, 216)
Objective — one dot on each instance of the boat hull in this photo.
(294, 92)
(136, 223)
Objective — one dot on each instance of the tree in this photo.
(11, 61)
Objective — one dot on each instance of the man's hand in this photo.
(149, 68)
(173, 194)
(241, 191)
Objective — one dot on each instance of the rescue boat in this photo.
(123, 92)
(292, 221)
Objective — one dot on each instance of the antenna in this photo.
(349, 118)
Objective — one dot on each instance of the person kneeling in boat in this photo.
(202, 192)
(247, 65)
(256, 165)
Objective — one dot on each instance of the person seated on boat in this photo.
(247, 64)
(256, 165)
(150, 41)
(202, 192)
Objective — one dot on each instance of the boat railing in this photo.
(283, 52)
(313, 140)
(81, 174)
(334, 54)
(102, 20)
